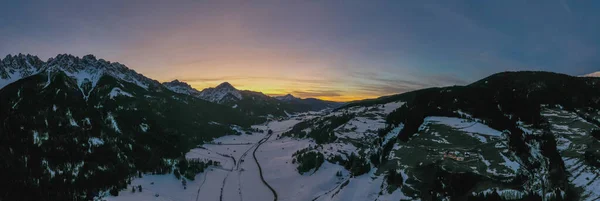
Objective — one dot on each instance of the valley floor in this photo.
(238, 176)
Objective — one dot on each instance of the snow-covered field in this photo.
(464, 125)
(238, 177)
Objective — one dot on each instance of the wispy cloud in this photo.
(380, 84)
(318, 93)
(237, 78)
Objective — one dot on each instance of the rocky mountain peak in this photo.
(177, 83)
(287, 97)
(13, 68)
(225, 85)
(181, 87)
(224, 92)
(92, 69)
(87, 69)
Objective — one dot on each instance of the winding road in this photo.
(260, 169)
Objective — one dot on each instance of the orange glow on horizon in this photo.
(269, 90)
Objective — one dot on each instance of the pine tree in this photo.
(177, 174)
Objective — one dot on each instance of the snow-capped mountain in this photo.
(182, 88)
(13, 68)
(251, 102)
(88, 70)
(287, 97)
(223, 93)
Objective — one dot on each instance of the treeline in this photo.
(189, 168)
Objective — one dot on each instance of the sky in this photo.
(334, 50)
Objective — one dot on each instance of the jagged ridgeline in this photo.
(72, 127)
(251, 102)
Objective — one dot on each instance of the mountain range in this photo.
(251, 102)
(82, 128)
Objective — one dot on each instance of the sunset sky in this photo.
(335, 50)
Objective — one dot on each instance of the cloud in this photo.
(317, 93)
(234, 78)
(380, 84)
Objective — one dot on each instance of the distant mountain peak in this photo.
(287, 97)
(181, 87)
(176, 82)
(225, 85)
(224, 92)
(594, 74)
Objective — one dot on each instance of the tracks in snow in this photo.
(237, 167)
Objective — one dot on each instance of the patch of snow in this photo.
(94, 141)
(510, 163)
(144, 127)
(390, 107)
(71, 120)
(393, 133)
(113, 122)
(117, 91)
(39, 139)
(463, 125)
(91, 75)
